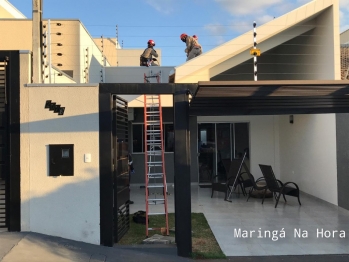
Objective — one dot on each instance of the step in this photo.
(155, 174)
(159, 186)
(152, 214)
(155, 199)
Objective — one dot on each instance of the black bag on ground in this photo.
(139, 217)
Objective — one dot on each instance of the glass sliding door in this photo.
(206, 152)
(223, 146)
(218, 141)
(241, 134)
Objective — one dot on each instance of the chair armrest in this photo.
(260, 179)
(290, 183)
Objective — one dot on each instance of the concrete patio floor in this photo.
(226, 219)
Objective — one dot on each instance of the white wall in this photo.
(94, 58)
(308, 154)
(135, 74)
(264, 139)
(67, 207)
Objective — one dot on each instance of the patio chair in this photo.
(248, 181)
(276, 186)
(224, 183)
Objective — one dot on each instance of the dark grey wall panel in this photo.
(342, 134)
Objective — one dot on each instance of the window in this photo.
(138, 137)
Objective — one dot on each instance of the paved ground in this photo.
(33, 247)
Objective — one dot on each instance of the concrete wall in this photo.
(136, 75)
(344, 37)
(308, 154)
(108, 45)
(67, 207)
(68, 38)
(96, 59)
(18, 34)
(264, 143)
(130, 57)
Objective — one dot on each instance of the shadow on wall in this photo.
(94, 67)
(65, 206)
(80, 123)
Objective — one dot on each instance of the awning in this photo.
(218, 98)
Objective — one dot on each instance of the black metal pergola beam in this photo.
(270, 97)
(182, 173)
(138, 89)
(13, 156)
(180, 94)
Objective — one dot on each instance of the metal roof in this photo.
(215, 98)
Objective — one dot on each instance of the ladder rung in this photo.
(154, 140)
(160, 186)
(151, 214)
(154, 162)
(155, 199)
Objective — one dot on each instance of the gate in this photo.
(120, 152)
(3, 147)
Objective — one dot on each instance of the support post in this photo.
(255, 54)
(106, 181)
(37, 42)
(182, 172)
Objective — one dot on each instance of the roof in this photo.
(270, 97)
(315, 15)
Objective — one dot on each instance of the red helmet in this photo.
(183, 36)
(151, 42)
(196, 37)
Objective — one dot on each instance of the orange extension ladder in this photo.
(155, 176)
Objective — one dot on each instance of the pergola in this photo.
(212, 98)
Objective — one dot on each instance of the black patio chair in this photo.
(277, 187)
(248, 181)
(228, 182)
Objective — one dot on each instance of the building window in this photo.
(138, 137)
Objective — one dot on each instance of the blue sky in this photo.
(214, 21)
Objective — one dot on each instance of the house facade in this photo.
(309, 148)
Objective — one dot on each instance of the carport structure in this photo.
(233, 98)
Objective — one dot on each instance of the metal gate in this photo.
(3, 147)
(121, 179)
